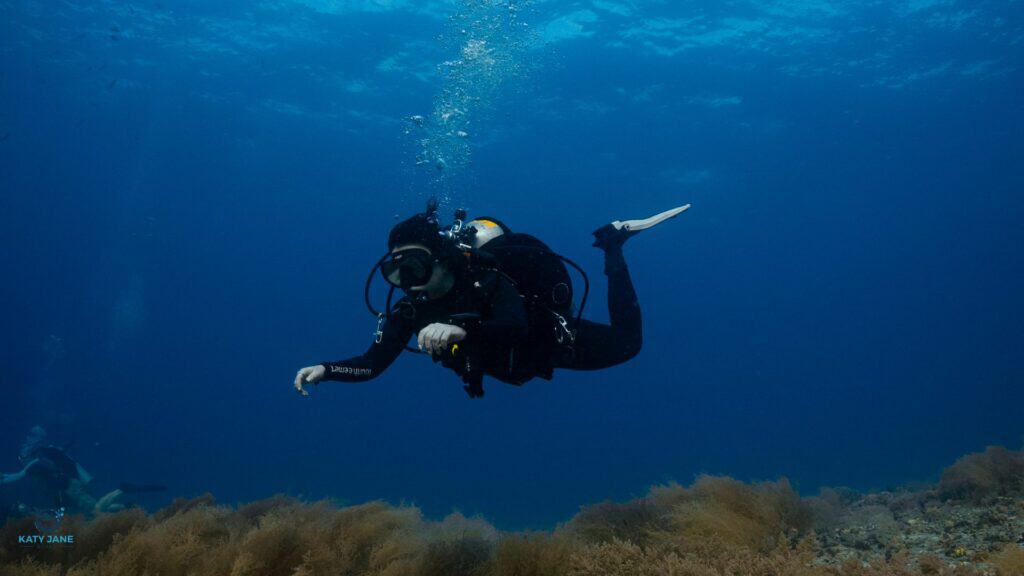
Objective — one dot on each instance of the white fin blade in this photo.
(644, 224)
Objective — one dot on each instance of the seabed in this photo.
(971, 522)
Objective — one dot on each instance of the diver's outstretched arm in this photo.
(391, 340)
(19, 475)
(377, 358)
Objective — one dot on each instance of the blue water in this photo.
(192, 192)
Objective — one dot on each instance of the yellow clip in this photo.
(455, 348)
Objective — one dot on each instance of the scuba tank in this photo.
(541, 278)
(538, 273)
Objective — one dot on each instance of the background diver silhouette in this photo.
(479, 315)
(50, 478)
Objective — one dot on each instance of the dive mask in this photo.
(408, 268)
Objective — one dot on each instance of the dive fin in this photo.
(129, 488)
(644, 224)
(614, 235)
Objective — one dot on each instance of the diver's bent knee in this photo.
(630, 349)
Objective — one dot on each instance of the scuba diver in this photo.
(484, 300)
(52, 483)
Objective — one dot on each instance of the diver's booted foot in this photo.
(614, 235)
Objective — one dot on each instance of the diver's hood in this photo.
(420, 229)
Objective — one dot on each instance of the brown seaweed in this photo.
(717, 526)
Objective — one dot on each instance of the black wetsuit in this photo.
(499, 342)
(601, 346)
(54, 469)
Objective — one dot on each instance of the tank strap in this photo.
(562, 331)
(378, 335)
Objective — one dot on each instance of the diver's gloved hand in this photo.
(309, 375)
(437, 338)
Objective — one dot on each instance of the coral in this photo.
(982, 476)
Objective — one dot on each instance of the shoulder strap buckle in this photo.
(378, 335)
(562, 331)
